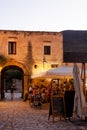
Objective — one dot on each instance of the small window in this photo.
(47, 50)
(54, 65)
(11, 47)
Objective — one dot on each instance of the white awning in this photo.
(62, 71)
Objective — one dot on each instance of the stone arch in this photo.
(22, 68)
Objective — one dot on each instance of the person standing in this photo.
(12, 91)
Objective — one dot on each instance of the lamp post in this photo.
(44, 61)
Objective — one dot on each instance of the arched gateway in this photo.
(10, 72)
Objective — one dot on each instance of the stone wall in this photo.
(31, 62)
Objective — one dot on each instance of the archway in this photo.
(12, 74)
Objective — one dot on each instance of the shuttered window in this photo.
(11, 47)
(47, 50)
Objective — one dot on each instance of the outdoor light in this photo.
(35, 66)
(0, 68)
(44, 61)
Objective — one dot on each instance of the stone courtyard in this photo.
(19, 115)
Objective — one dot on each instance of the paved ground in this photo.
(18, 115)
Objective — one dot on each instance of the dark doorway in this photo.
(12, 75)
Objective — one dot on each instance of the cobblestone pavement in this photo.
(18, 115)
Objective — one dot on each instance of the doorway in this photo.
(12, 75)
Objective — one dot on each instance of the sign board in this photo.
(74, 46)
(58, 106)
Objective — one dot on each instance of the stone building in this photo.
(29, 52)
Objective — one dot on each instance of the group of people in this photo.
(37, 95)
(42, 94)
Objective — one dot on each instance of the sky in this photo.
(43, 15)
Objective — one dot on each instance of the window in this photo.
(54, 65)
(47, 50)
(11, 47)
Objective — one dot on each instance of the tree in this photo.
(29, 60)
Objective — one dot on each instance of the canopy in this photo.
(62, 71)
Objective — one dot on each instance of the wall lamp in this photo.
(44, 61)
